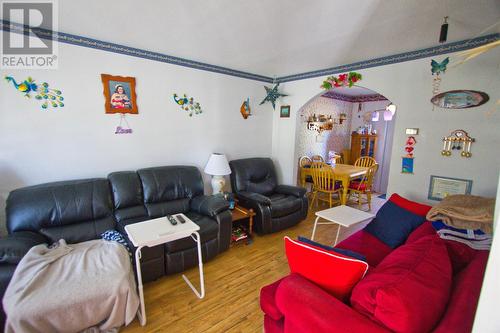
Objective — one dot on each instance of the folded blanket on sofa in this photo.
(72, 288)
(465, 212)
(475, 239)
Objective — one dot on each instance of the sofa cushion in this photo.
(461, 308)
(408, 291)
(282, 204)
(253, 175)
(332, 271)
(76, 210)
(425, 229)
(268, 301)
(393, 224)
(345, 252)
(368, 245)
(208, 231)
(412, 206)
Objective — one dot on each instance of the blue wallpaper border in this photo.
(396, 58)
(160, 57)
(129, 51)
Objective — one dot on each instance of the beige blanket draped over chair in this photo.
(88, 286)
(465, 212)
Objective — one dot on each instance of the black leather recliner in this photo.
(80, 210)
(277, 207)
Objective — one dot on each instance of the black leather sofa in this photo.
(80, 210)
(277, 207)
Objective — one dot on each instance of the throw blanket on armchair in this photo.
(464, 212)
(72, 288)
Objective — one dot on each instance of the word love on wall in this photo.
(188, 104)
(42, 92)
(123, 127)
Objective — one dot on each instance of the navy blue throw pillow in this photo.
(348, 253)
(393, 224)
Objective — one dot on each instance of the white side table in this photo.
(343, 215)
(160, 231)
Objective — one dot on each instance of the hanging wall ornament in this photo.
(245, 109)
(272, 94)
(188, 104)
(42, 92)
(123, 127)
(436, 69)
(458, 140)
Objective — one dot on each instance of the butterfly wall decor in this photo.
(436, 69)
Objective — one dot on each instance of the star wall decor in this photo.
(272, 95)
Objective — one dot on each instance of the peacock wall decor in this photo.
(42, 92)
(188, 104)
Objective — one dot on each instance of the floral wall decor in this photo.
(42, 92)
(188, 104)
(342, 80)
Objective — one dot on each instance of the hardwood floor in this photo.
(232, 281)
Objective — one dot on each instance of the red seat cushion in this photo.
(356, 186)
(368, 245)
(412, 206)
(332, 271)
(408, 291)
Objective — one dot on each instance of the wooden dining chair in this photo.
(365, 161)
(325, 185)
(339, 159)
(317, 158)
(364, 186)
(304, 161)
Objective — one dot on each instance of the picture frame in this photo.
(440, 187)
(285, 111)
(119, 94)
(406, 164)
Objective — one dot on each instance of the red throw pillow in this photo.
(332, 271)
(412, 206)
(408, 291)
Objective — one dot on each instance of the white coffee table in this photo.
(160, 231)
(343, 215)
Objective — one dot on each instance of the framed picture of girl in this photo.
(119, 94)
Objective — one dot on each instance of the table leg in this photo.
(337, 237)
(201, 293)
(141, 313)
(345, 188)
(250, 227)
(314, 228)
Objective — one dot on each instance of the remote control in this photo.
(171, 219)
(181, 219)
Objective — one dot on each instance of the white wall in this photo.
(409, 86)
(309, 143)
(486, 320)
(78, 141)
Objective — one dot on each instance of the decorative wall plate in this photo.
(460, 99)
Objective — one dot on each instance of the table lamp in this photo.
(218, 167)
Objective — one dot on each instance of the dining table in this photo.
(343, 172)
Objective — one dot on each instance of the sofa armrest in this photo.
(311, 309)
(252, 196)
(16, 245)
(296, 191)
(209, 205)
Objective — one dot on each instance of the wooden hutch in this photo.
(362, 145)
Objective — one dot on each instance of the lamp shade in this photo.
(217, 165)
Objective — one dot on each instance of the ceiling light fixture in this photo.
(443, 35)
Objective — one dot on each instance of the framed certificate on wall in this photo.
(441, 187)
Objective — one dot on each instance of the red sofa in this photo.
(295, 304)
